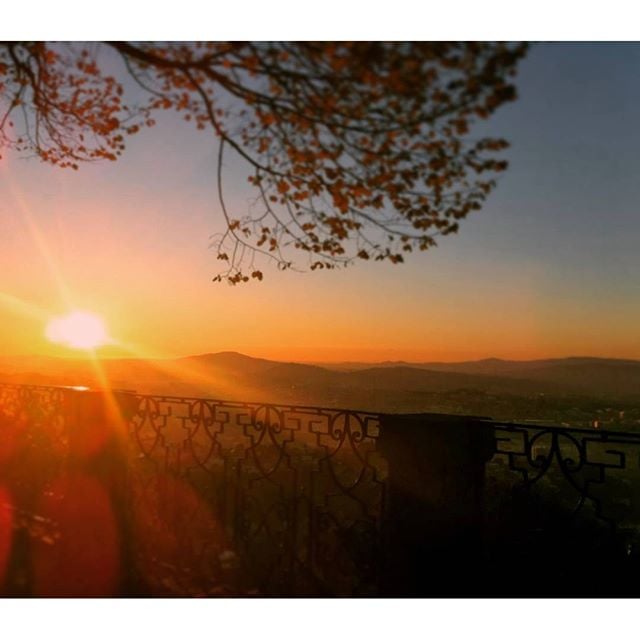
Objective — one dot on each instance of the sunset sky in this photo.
(548, 268)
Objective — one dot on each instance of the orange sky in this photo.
(535, 274)
(153, 288)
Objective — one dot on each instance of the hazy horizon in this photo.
(81, 355)
(562, 391)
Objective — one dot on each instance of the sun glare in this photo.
(79, 330)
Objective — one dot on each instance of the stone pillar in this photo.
(432, 530)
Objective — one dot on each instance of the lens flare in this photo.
(79, 330)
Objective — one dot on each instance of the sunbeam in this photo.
(36, 235)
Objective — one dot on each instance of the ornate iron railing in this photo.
(252, 497)
(565, 502)
(218, 497)
(582, 460)
(298, 492)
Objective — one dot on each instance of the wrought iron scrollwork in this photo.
(579, 462)
(564, 499)
(274, 476)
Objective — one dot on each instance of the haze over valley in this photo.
(576, 391)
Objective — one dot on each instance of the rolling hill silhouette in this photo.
(383, 386)
(593, 376)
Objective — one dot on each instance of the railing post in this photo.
(432, 530)
(96, 423)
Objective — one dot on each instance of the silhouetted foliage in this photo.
(355, 150)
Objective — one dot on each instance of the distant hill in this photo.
(384, 386)
(228, 360)
(593, 376)
(493, 366)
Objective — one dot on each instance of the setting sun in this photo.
(79, 330)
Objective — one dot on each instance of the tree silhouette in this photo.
(355, 150)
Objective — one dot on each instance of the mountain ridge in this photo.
(229, 371)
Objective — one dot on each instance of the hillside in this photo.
(604, 377)
(549, 389)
